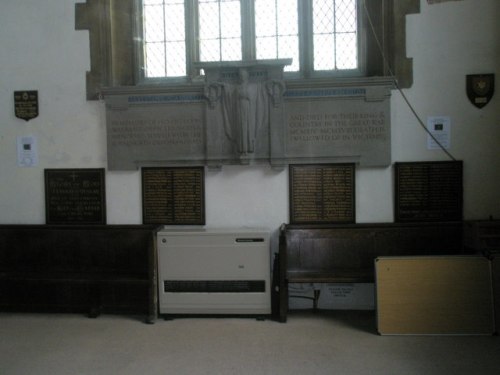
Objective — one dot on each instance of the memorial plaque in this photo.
(75, 196)
(26, 104)
(160, 129)
(429, 191)
(173, 196)
(346, 124)
(246, 114)
(322, 194)
(480, 88)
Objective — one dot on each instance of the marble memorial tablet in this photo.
(173, 196)
(322, 194)
(429, 191)
(75, 196)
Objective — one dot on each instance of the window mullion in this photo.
(219, 20)
(139, 44)
(306, 45)
(191, 29)
(276, 30)
(248, 29)
(335, 55)
(164, 40)
(361, 35)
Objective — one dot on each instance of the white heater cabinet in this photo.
(214, 271)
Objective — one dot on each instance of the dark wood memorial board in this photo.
(173, 196)
(322, 194)
(429, 191)
(75, 196)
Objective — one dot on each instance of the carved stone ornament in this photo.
(244, 100)
(237, 117)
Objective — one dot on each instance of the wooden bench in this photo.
(79, 268)
(346, 253)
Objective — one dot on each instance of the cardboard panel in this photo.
(434, 295)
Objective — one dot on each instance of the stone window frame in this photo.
(114, 47)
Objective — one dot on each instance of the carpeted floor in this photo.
(326, 342)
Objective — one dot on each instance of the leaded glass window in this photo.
(318, 35)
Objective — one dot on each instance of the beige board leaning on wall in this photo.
(434, 295)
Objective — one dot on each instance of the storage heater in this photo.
(214, 272)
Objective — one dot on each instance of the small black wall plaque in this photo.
(480, 88)
(429, 191)
(173, 196)
(75, 196)
(26, 104)
(322, 194)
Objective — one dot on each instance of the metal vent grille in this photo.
(214, 286)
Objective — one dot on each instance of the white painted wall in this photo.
(40, 50)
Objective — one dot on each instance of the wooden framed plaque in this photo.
(322, 193)
(429, 191)
(173, 196)
(75, 196)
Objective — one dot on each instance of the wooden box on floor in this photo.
(434, 295)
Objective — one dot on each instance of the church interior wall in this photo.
(42, 51)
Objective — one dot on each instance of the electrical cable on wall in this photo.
(387, 66)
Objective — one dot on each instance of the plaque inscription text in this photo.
(75, 196)
(429, 191)
(322, 194)
(173, 196)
